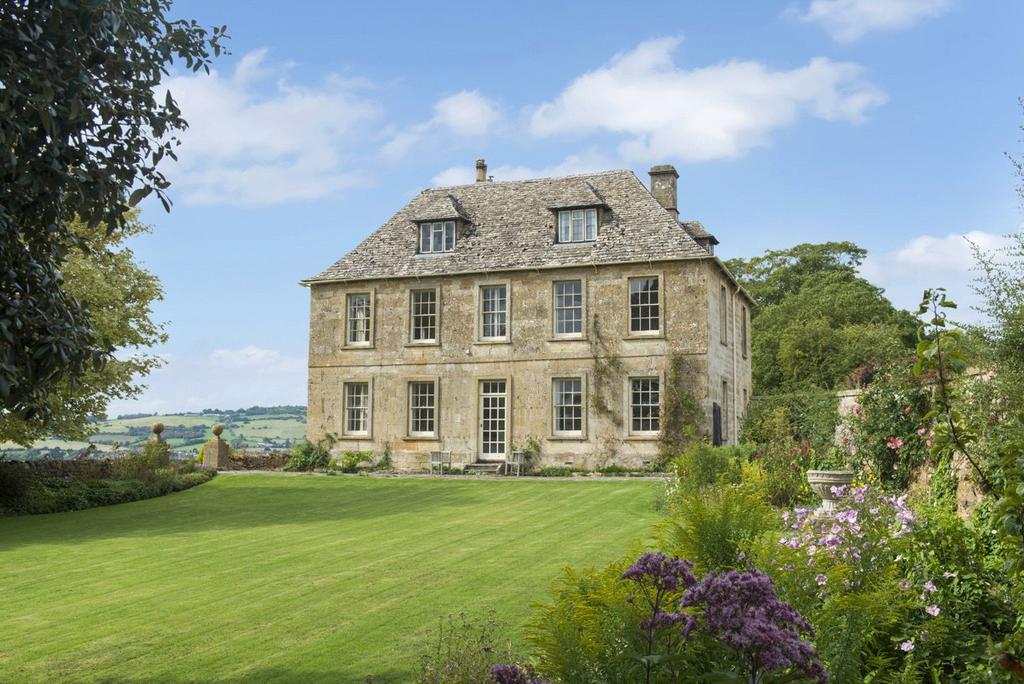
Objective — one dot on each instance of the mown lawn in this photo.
(263, 578)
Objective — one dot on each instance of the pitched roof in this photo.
(510, 226)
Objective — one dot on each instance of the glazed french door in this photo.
(493, 419)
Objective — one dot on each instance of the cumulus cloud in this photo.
(581, 163)
(222, 378)
(700, 114)
(466, 114)
(929, 261)
(849, 20)
(256, 138)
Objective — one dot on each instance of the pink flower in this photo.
(907, 646)
(920, 432)
(906, 411)
(856, 409)
(933, 610)
(894, 443)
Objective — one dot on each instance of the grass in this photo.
(280, 578)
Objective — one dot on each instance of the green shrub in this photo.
(464, 650)
(703, 466)
(555, 471)
(14, 481)
(614, 471)
(350, 460)
(307, 456)
(715, 528)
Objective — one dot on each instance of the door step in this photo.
(485, 467)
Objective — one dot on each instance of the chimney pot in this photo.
(663, 187)
(481, 170)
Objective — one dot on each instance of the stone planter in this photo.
(822, 482)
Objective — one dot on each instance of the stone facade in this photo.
(464, 372)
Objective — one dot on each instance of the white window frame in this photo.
(582, 406)
(413, 316)
(411, 408)
(641, 433)
(367, 410)
(350, 322)
(656, 332)
(481, 293)
(436, 237)
(577, 225)
(555, 308)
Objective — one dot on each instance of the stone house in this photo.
(484, 317)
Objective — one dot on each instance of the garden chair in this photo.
(516, 462)
(440, 459)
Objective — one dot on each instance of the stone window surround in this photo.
(434, 436)
(646, 335)
(627, 400)
(723, 314)
(436, 342)
(584, 297)
(580, 436)
(478, 306)
(344, 433)
(373, 320)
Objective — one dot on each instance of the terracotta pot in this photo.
(822, 482)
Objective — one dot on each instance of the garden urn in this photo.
(822, 482)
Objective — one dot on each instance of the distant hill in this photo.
(272, 427)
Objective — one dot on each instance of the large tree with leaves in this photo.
(82, 133)
(100, 273)
(816, 320)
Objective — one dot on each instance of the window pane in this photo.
(591, 224)
(568, 404)
(564, 234)
(424, 315)
(425, 238)
(357, 406)
(577, 225)
(645, 405)
(494, 311)
(644, 305)
(358, 318)
(569, 307)
(421, 407)
(449, 236)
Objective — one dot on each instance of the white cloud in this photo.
(714, 112)
(223, 378)
(583, 163)
(254, 138)
(467, 113)
(930, 261)
(849, 20)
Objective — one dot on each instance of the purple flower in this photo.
(743, 612)
(907, 646)
(929, 586)
(820, 579)
(948, 575)
(513, 674)
(663, 572)
(933, 610)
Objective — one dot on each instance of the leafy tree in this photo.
(816, 319)
(100, 272)
(80, 127)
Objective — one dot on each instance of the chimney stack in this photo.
(481, 170)
(663, 187)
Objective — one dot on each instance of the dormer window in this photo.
(437, 237)
(577, 225)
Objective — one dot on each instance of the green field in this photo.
(272, 427)
(291, 578)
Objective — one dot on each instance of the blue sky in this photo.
(884, 122)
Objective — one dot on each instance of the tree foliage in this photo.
(101, 273)
(82, 133)
(816, 319)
